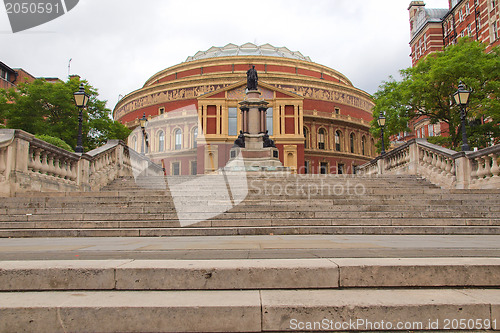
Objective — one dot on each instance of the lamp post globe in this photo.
(81, 100)
(461, 97)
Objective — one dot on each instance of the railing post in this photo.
(414, 157)
(463, 168)
(83, 173)
(381, 165)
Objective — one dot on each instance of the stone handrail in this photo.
(441, 166)
(28, 164)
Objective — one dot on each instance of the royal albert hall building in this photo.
(318, 120)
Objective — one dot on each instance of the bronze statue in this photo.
(267, 141)
(252, 79)
(240, 142)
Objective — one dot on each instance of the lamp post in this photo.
(81, 100)
(461, 97)
(143, 122)
(381, 124)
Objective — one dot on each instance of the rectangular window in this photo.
(431, 130)
(232, 121)
(340, 170)
(161, 111)
(495, 30)
(194, 168)
(324, 168)
(176, 168)
(307, 167)
(269, 121)
(467, 9)
(289, 119)
(337, 110)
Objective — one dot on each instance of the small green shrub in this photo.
(55, 141)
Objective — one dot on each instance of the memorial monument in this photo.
(258, 151)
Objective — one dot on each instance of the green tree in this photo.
(426, 91)
(47, 108)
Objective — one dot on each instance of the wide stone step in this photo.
(320, 214)
(205, 230)
(231, 221)
(248, 274)
(251, 310)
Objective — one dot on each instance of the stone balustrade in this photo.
(441, 166)
(28, 164)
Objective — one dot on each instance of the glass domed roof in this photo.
(248, 49)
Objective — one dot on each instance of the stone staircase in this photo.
(272, 295)
(250, 295)
(279, 204)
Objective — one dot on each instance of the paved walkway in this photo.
(243, 247)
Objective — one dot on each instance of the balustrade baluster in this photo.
(447, 169)
(487, 167)
(37, 165)
(45, 163)
(480, 169)
(50, 163)
(57, 166)
(495, 169)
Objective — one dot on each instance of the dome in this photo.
(248, 49)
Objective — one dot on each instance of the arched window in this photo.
(134, 143)
(363, 145)
(195, 137)
(321, 138)
(353, 139)
(306, 136)
(161, 141)
(178, 139)
(338, 136)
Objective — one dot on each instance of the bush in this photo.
(55, 141)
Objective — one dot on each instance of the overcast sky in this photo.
(118, 44)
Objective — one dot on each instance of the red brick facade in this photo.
(301, 94)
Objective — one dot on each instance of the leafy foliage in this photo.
(47, 108)
(55, 141)
(426, 91)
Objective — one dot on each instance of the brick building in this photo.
(319, 121)
(433, 29)
(11, 77)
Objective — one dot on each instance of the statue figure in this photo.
(240, 142)
(252, 79)
(268, 143)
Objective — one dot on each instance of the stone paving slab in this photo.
(418, 272)
(228, 274)
(125, 311)
(284, 310)
(59, 275)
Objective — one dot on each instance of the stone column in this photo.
(263, 126)
(244, 118)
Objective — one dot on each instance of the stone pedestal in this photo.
(254, 157)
